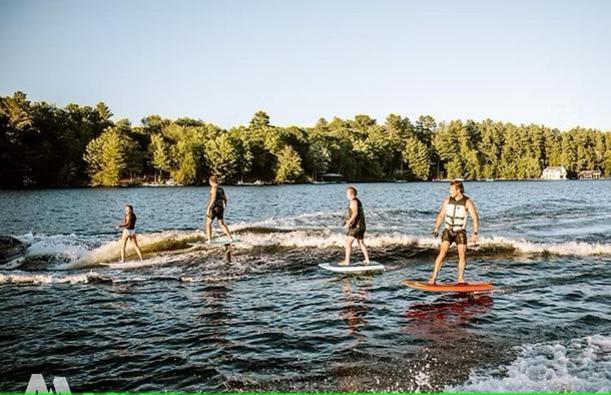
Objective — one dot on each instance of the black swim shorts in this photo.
(216, 212)
(458, 237)
(358, 233)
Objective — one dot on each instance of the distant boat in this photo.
(332, 177)
(168, 183)
(256, 183)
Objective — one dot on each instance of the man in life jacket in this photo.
(453, 213)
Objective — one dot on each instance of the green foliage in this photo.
(185, 171)
(223, 155)
(44, 145)
(160, 152)
(289, 165)
(416, 156)
(107, 157)
(318, 158)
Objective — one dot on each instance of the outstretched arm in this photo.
(440, 215)
(475, 217)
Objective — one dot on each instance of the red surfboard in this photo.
(449, 287)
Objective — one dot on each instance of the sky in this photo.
(522, 61)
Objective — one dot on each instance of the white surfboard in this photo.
(359, 267)
(214, 242)
(133, 264)
(125, 265)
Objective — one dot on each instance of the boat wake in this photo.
(70, 252)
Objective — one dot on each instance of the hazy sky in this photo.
(521, 61)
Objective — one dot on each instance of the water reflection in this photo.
(354, 309)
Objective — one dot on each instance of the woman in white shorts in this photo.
(129, 231)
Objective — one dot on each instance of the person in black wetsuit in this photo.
(216, 209)
(129, 231)
(355, 225)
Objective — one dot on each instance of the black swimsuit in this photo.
(357, 228)
(217, 210)
(131, 223)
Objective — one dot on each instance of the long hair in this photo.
(459, 185)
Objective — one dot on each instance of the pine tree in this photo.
(107, 157)
(289, 165)
(160, 154)
(416, 156)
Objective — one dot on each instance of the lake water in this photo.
(187, 320)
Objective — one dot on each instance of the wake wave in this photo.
(65, 252)
(486, 245)
(167, 241)
(579, 365)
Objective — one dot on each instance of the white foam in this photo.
(26, 278)
(316, 219)
(572, 248)
(578, 365)
(330, 238)
(70, 247)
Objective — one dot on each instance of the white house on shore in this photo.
(554, 173)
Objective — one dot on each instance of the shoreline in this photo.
(144, 185)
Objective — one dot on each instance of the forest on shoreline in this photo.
(43, 145)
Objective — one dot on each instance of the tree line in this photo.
(42, 145)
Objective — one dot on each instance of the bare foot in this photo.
(461, 281)
(343, 263)
(366, 263)
(432, 281)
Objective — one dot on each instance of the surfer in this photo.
(217, 202)
(355, 225)
(129, 231)
(453, 213)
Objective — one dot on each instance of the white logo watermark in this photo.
(37, 385)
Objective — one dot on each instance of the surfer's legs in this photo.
(443, 249)
(225, 228)
(208, 228)
(462, 261)
(135, 240)
(364, 249)
(123, 244)
(348, 246)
